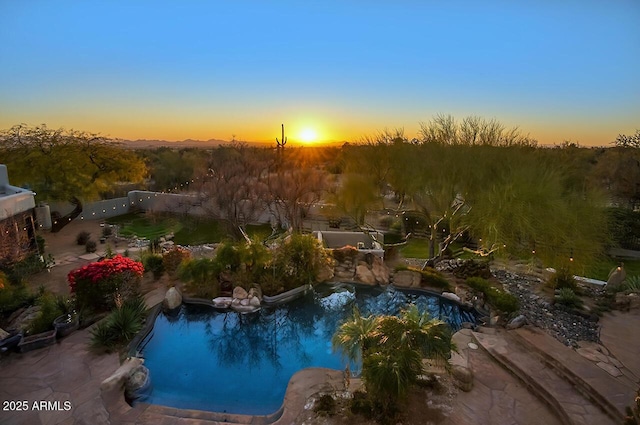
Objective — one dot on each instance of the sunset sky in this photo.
(331, 70)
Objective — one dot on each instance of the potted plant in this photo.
(66, 323)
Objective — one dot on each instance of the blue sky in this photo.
(206, 69)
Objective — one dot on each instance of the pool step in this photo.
(611, 394)
(543, 380)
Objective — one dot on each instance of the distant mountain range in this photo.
(211, 143)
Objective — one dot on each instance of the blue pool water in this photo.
(242, 363)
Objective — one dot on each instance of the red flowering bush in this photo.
(103, 284)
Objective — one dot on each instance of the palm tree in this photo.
(354, 337)
(392, 349)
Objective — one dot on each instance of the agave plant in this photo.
(632, 283)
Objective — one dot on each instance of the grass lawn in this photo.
(415, 248)
(600, 269)
(187, 230)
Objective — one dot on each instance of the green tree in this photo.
(627, 141)
(62, 164)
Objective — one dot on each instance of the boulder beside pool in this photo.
(172, 299)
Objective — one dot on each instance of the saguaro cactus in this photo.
(282, 141)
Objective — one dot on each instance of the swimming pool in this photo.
(241, 363)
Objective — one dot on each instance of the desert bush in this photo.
(478, 283)
(299, 260)
(106, 231)
(172, 259)
(91, 246)
(568, 298)
(48, 312)
(229, 256)
(498, 298)
(82, 238)
(155, 264)
(17, 273)
(431, 277)
(201, 277)
(563, 278)
(13, 297)
(98, 285)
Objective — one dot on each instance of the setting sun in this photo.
(308, 135)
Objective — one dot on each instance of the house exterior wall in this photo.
(13, 200)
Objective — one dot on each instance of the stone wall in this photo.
(354, 266)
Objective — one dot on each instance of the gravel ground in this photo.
(563, 324)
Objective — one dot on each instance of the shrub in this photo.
(563, 278)
(201, 277)
(229, 256)
(66, 305)
(120, 326)
(325, 406)
(361, 405)
(299, 260)
(172, 259)
(632, 283)
(13, 296)
(91, 246)
(155, 264)
(48, 312)
(82, 238)
(498, 298)
(22, 269)
(568, 298)
(97, 285)
(106, 231)
(478, 283)
(502, 301)
(431, 277)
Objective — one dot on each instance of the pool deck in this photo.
(68, 371)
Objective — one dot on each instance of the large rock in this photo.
(254, 301)
(255, 292)
(616, 276)
(380, 271)
(451, 296)
(240, 293)
(172, 299)
(518, 322)
(117, 380)
(407, 279)
(326, 273)
(137, 379)
(364, 274)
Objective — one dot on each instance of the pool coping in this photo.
(315, 379)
